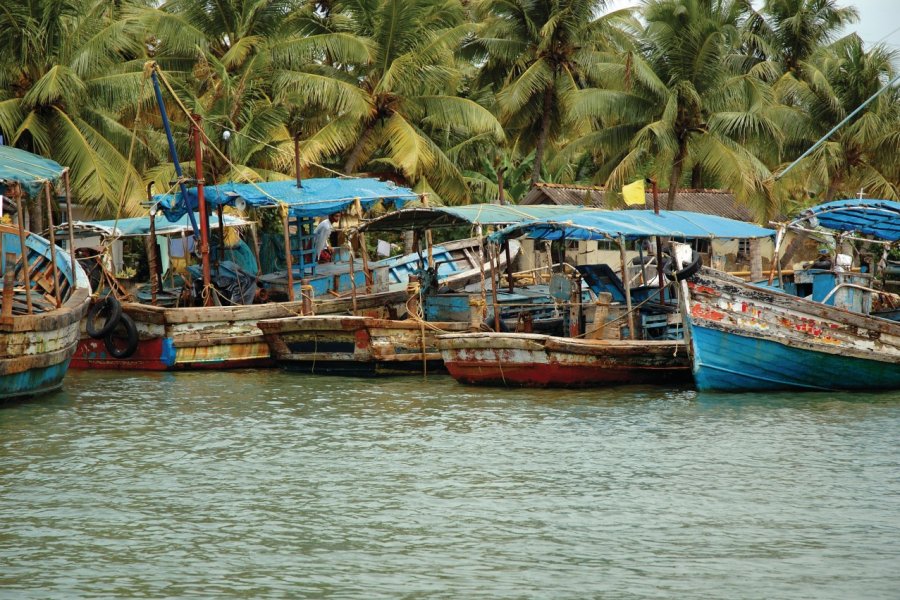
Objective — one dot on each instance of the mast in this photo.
(201, 207)
(173, 153)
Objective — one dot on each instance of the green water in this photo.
(260, 484)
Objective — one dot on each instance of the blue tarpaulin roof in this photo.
(317, 198)
(28, 170)
(432, 217)
(612, 224)
(879, 218)
(141, 225)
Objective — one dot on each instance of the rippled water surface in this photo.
(263, 484)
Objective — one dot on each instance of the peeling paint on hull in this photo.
(344, 345)
(547, 361)
(746, 338)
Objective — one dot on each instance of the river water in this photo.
(265, 484)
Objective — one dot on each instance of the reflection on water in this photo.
(258, 483)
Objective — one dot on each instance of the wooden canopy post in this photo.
(256, 248)
(363, 250)
(54, 270)
(220, 212)
(26, 268)
(509, 267)
(152, 258)
(776, 261)
(494, 282)
(285, 221)
(627, 287)
(71, 227)
(659, 265)
(201, 205)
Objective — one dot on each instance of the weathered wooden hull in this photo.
(35, 349)
(746, 338)
(520, 359)
(354, 345)
(215, 337)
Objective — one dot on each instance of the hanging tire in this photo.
(685, 272)
(113, 340)
(111, 311)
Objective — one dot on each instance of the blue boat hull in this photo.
(33, 382)
(729, 362)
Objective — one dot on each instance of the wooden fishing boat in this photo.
(38, 332)
(530, 360)
(747, 337)
(226, 337)
(632, 334)
(457, 263)
(352, 345)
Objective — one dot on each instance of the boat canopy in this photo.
(316, 198)
(631, 224)
(471, 214)
(28, 170)
(878, 218)
(139, 226)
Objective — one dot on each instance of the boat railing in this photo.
(856, 286)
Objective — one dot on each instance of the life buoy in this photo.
(108, 306)
(686, 271)
(112, 340)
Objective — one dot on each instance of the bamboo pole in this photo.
(71, 227)
(627, 287)
(53, 268)
(494, 283)
(285, 221)
(204, 218)
(26, 268)
(352, 281)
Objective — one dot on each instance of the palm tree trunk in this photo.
(356, 154)
(675, 178)
(542, 139)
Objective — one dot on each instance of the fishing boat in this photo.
(747, 337)
(354, 345)
(216, 328)
(371, 346)
(632, 334)
(45, 293)
(532, 360)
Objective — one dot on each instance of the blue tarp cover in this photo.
(317, 198)
(612, 224)
(141, 225)
(432, 217)
(28, 170)
(879, 218)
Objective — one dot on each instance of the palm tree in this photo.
(220, 55)
(687, 100)
(395, 108)
(69, 73)
(789, 32)
(860, 155)
(539, 53)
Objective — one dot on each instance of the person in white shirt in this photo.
(322, 233)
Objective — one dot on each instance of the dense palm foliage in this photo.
(458, 98)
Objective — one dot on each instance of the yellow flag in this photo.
(634, 193)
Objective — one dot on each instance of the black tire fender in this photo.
(685, 272)
(111, 341)
(113, 311)
(489, 325)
